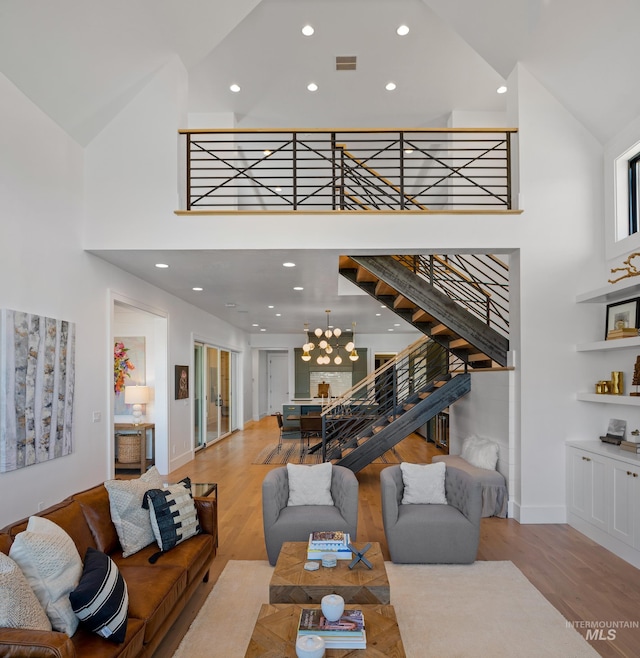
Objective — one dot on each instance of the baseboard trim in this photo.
(533, 515)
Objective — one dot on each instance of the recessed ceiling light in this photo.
(270, 306)
(230, 304)
(162, 266)
(298, 288)
(403, 30)
(235, 88)
(408, 151)
(288, 264)
(502, 89)
(255, 324)
(390, 86)
(263, 329)
(383, 306)
(197, 289)
(278, 315)
(396, 324)
(389, 329)
(312, 86)
(308, 30)
(267, 152)
(278, 189)
(378, 315)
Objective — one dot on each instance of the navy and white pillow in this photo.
(173, 515)
(101, 600)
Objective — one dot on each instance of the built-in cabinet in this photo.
(603, 496)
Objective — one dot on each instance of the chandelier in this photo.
(327, 351)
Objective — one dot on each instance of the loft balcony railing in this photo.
(357, 170)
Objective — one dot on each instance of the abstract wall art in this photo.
(128, 369)
(37, 373)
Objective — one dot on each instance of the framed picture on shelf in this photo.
(622, 319)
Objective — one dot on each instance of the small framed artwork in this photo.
(182, 382)
(622, 319)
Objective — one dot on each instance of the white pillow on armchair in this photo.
(481, 453)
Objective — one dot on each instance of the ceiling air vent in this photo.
(346, 63)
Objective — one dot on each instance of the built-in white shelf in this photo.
(600, 345)
(626, 400)
(614, 292)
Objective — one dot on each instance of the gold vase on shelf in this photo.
(617, 383)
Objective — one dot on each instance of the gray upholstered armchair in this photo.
(283, 523)
(432, 534)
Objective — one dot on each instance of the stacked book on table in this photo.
(346, 633)
(335, 542)
(632, 444)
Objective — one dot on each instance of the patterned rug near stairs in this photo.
(289, 453)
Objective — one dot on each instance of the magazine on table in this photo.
(336, 542)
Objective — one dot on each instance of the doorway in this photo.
(278, 381)
(214, 377)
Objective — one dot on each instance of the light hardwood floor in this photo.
(585, 582)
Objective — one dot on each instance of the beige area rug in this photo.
(449, 611)
(289, 453)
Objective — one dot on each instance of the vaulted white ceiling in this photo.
(82, 61)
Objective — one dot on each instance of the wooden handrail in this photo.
(199, 131)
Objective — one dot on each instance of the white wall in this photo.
(485, 411)
(44, 270)
(560, 252)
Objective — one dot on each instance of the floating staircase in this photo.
(405, 285)
(391, 403)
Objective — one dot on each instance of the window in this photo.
(634, 193)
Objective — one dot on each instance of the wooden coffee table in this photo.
(276, 629)
(291, 583)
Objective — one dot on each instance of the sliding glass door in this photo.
(214, 393)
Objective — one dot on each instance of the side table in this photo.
(140, 431)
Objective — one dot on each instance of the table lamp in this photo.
(137, 396)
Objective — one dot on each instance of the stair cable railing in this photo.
(386, 170)
(383, 395)
(478, 282)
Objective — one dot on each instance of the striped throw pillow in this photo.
(101, 600)
(173, 515)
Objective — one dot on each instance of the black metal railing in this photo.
(477, 282)
(348, 170)
(383, 394)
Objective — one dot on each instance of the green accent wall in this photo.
(303, 370)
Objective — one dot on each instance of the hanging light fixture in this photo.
(324, 343)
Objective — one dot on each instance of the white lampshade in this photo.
(338, 360)
(137, 396)
(349, 346)
(318, 332)
(337, 332)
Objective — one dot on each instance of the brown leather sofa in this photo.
(157, 592)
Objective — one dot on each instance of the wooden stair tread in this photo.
(460, 344)
(424, 395)
(479, 356)
(383, 288)
(347, 263)
(421, 315)
(442, 330)
(364, 276)
(402, 302)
